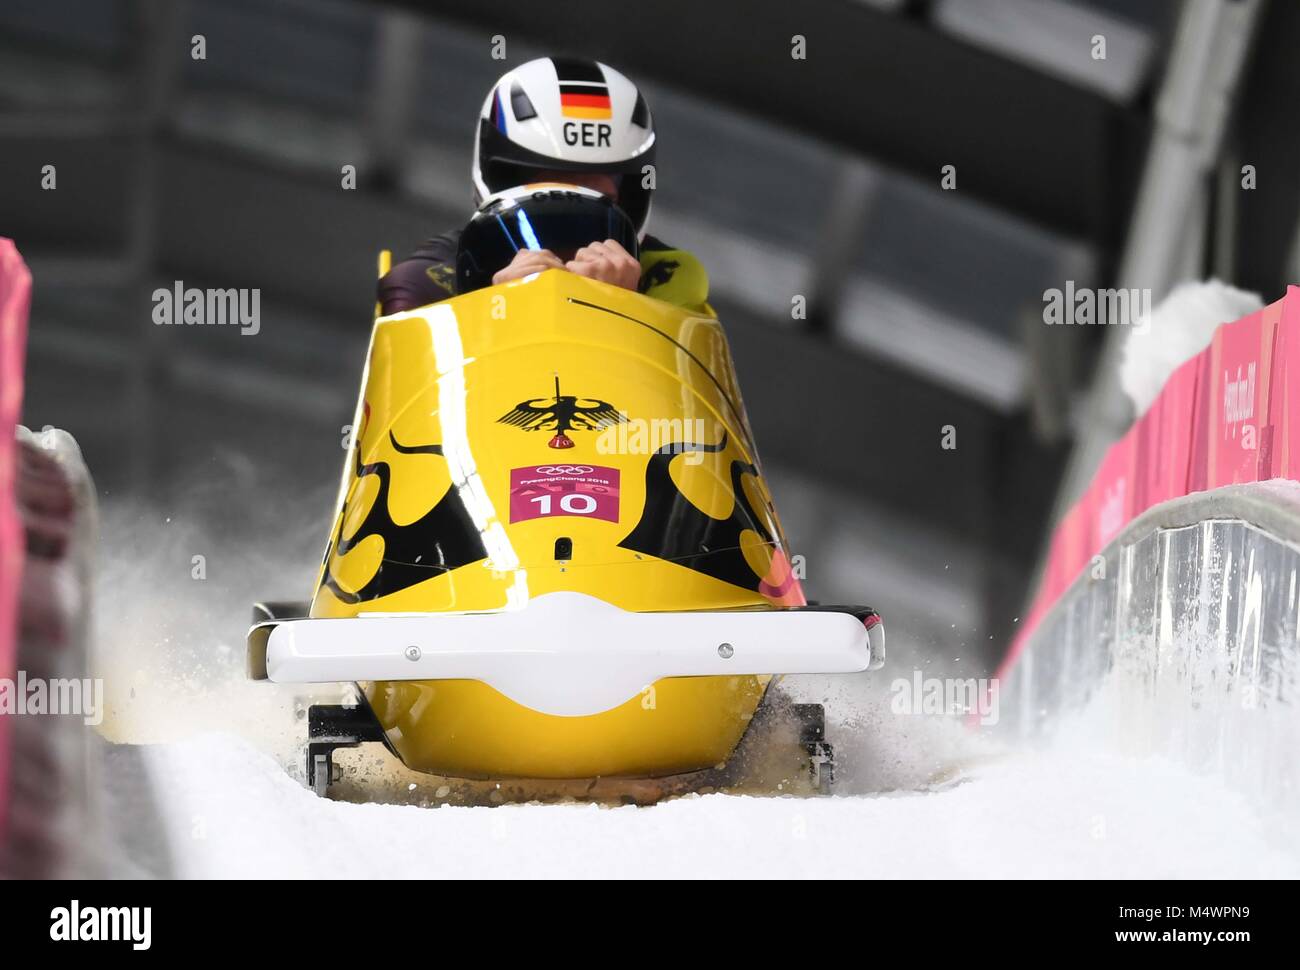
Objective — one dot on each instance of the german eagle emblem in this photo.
(561, 414)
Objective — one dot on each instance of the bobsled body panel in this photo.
(548, 435)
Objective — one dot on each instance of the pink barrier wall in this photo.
(1225, 417)
(15, 297)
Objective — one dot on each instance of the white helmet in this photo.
(570, 115)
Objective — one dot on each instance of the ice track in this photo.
(233, 812)
(927, 800)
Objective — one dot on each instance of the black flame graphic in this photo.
(673, 528)
(443, 539)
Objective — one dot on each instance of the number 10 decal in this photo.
(544, 491)
(574, 503)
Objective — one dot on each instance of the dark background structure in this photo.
(817, 177)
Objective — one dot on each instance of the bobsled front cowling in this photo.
(554, 435)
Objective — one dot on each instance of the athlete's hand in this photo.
(608, 262)
(527, 262)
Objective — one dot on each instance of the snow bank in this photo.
(1180, 327)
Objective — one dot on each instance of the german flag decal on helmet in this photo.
(583, 92)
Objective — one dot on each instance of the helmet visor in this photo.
(555, 219)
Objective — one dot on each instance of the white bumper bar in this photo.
(567, 654)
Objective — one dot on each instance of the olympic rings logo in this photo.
(565, 469)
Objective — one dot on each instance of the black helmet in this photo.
(547, 215)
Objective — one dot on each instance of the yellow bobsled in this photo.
(554, 554)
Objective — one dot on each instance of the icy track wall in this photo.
(48, 824)
(15, 296)
(1167, 621)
